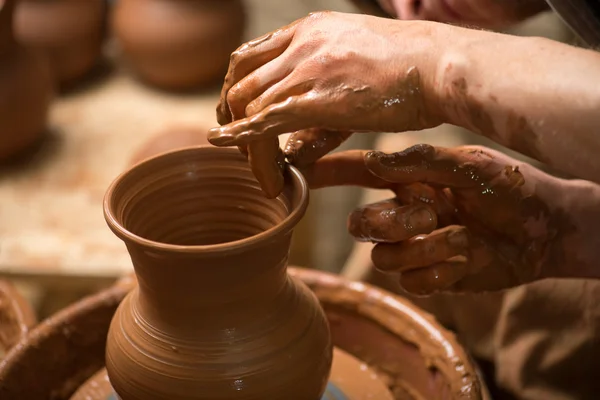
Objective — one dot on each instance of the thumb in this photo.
(438, 166)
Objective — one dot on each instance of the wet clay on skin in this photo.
(215, 315)
(179, 44)
(69, 32)
(26, 90)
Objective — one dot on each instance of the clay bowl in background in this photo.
(406, 346)
(70, 32)
(178, 44)
(170, 139)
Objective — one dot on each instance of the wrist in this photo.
(422, 46)
(465, 78)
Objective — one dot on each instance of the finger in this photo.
(293, 114)
(266, 161)
(248, 58)
(287, 86)
(422, 251)
(346, 168)
(271, 80)
(307, 146)
(390, 221)
(456, 168)
(436, 278)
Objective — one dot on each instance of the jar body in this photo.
(284, 353)
(178, 44)
(69, 32)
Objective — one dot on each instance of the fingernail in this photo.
(420, 220)
(292, 148)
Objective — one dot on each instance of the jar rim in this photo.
(298, 204)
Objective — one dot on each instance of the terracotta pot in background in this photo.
(69, 32)
(215, 315)
(178, 44)
(176, 137)
(26, 89)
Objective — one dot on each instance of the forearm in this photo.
(575, 248)
(536, 96)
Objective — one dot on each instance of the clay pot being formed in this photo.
(215, 314)
(178, 44)
(69, 32)
(26, 90)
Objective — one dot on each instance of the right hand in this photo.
(327, 75)
(490, 14)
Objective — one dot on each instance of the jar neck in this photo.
(175, 286)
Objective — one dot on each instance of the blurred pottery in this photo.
(178, 44)
(26, 90)
(69, 32)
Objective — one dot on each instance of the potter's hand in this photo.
(465, 219)
(483, 13)
(325, 75)
(338, 73)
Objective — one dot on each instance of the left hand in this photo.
(464, 219)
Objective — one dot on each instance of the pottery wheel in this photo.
(350, 379)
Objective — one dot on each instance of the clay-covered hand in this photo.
(463, 219)
(325, 75)
(482, 13)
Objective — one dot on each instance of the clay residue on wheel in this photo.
(417, 355)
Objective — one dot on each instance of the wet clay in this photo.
(16, 316)
(26, 90)
(63, 351)
(178, 44)
(98, 387)
(215, 314)
(379, 8)
(415, 355)
(69, 32)
(170, 139)
(355, 379)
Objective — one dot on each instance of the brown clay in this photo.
(98, 387)
(59, 354)
(16, 316)
(215, 315)
(170, 139)
(69, 32)
(356, 379)
(418, 358)
(179, 44)
(25, 89)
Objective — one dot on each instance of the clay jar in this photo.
(179, 44)
(70, 32)
(26, 89)
(215, 314)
